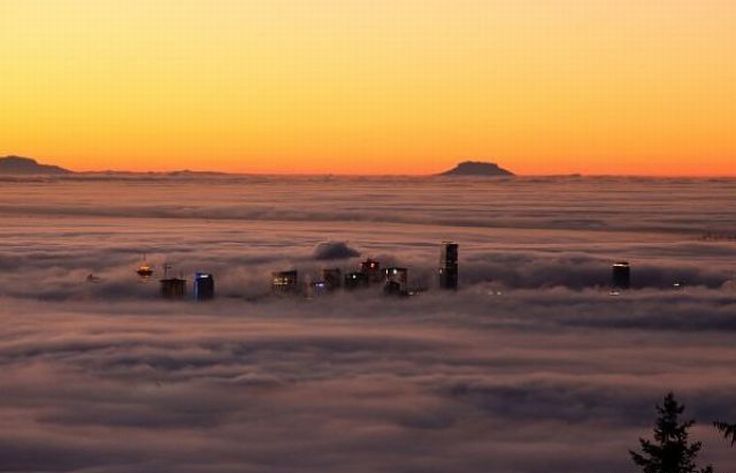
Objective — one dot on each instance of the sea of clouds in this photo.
(531, 367)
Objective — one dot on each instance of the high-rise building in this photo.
(356, 280)
(448, 271)
(204, 286)
(332, 278)
(173, 288)
(396, 281)
(285, 282)
(316, 289)
(621, 275)
(372, 269)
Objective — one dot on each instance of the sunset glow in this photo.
(371, 87)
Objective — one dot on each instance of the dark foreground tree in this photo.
(728, 431)
(671, 451)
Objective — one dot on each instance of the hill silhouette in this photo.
(477, 168)
(20, 165)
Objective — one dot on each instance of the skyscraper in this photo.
(355, 280)
(621, 276)
(285, 282)
(448, 271)
(332, 278)
(396, 281)
(372, 269)
(173, 288)
(204, 286)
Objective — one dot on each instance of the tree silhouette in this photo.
(670, 452)
(728, 431)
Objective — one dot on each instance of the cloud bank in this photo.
(334, 250)
(531, 367)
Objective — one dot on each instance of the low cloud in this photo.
(531, 367)
(516, 382)
(335, 250)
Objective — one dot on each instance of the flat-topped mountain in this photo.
(477, 168)
(20, 165)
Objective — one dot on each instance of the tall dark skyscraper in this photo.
(621, 275)
(173, 288)
(204, 287)
(448, 266)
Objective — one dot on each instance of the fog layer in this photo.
(531, 367)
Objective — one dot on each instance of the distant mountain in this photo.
(190, 173)
(19, 165)
(477, 168)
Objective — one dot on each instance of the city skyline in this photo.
(271, 236)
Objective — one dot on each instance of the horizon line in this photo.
(388, 174)
(369, 174)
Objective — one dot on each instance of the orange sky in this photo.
(371, 86)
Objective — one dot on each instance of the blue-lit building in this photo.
(204, 286)
(317, 289)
